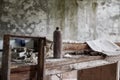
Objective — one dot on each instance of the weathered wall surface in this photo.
(25, 17)
(78, 19)
(108, 19)
(99, 18)
(86, 20)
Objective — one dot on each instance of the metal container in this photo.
(57, 43)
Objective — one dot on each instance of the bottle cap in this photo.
(57, 28)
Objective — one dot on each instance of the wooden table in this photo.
(85, 65)
(88, 67)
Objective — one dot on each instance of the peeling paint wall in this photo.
(56, 16)
(25, 17)
(86, 20)
(78, 19)
(108, 19)
(71, 24)
(99, 19)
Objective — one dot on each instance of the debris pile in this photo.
(86, 53)
(23, 54)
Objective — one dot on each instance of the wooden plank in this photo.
(60, 66)
(89, 74)
(23, 69)
(6, 59)
(106, 72)
(75, 46)
(50, 63)
(109, 72)
(66, 68)
(40, 66)
(75, 66)
(26, 75)
(78, 46)
(20, 36)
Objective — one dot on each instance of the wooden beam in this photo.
(61, 66)
(50, 63)
(75, 46)
(41, 59)
(6, 58)
(20, 36)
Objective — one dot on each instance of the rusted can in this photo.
(57, 43)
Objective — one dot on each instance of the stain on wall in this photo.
(56, 16)
(71, 24)
(63, 13)
(86, 20)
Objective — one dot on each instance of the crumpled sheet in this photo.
(105, 46)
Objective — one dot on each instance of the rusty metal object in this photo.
(57, 43)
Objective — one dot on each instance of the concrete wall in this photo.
(78, 19)
(108, 19)
(23, 17)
